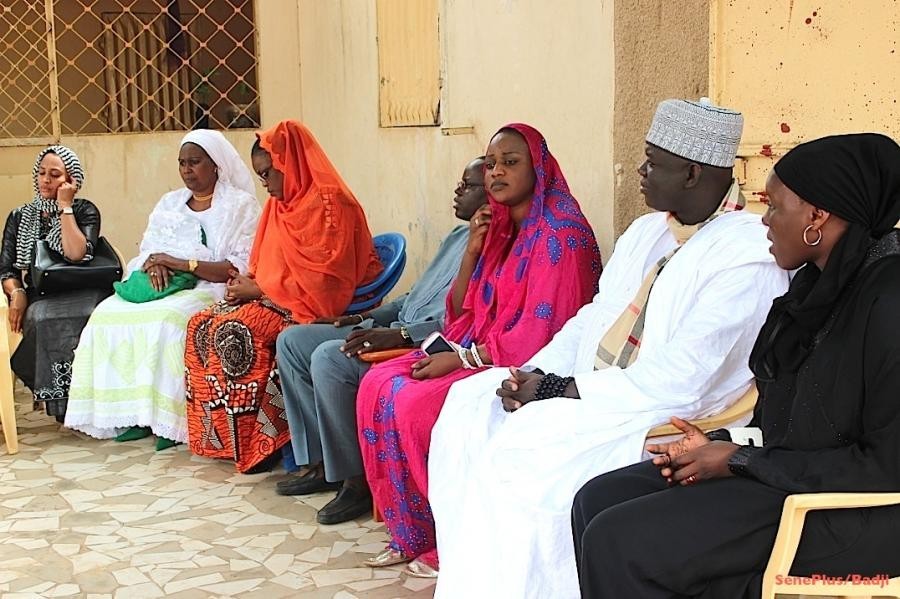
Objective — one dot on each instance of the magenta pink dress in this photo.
(522, 291)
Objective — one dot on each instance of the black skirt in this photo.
(50, 332)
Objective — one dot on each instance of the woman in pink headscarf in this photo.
(531, 263)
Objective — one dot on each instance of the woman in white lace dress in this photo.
(128, 372)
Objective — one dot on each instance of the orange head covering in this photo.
(313, 248)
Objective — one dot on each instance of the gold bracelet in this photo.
(192, 265)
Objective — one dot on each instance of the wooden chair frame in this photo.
(9, 341)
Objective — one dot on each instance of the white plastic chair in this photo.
(741, 408)
(793, 515)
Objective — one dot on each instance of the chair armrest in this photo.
(9, 340)
(374, 357)
(743, 406)
(12, 339)
(793, 516)
(835, 501)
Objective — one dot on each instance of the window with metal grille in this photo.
(112, 66)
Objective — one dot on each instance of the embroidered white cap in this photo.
(697, 131)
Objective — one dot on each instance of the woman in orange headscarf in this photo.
(313, 248)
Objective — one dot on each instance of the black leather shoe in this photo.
(305, 485)
(351, 503)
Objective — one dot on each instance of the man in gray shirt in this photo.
(320, 369)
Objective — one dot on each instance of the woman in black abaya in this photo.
(700, 519)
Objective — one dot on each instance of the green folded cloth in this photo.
(137, 289)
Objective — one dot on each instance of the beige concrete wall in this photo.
(125, 175)
(545, 63)
(806, 70)
(661, 51)
(319, 63)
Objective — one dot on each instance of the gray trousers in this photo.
(319, 385)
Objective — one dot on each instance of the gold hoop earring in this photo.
(806, 232)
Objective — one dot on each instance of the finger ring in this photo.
(691, 479)
(153, 274)
(366, 344)
(477, 222)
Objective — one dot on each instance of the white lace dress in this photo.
(129, 365)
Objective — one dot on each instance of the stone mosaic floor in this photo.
(99, 519)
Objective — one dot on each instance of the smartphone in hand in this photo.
(436, 343)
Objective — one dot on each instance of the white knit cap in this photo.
(697, 131)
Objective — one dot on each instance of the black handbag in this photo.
(51, 273)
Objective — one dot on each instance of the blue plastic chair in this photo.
(391, 248)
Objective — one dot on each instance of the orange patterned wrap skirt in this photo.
(235, 409)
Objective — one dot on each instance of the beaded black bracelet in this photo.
(552, 385)
(719, 434)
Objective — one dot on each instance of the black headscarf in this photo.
(857, 178)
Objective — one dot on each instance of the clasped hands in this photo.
(685, 461)
(160, 267)
(519, 389)
(693, 457)
(240, 289)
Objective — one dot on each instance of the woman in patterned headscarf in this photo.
(531, 263)
(50, 324)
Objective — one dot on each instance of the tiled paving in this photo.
(100, 519)
(88, 518)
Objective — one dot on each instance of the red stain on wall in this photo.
(766, 150)
(785, 128)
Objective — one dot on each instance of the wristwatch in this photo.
(192, 265)
(405, 334)
(66, 211)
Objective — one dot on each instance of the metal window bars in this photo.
(113, 66)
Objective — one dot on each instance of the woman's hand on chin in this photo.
(478, 229)
(436, 366)
(65, 194)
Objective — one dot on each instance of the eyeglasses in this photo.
(462, 186)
